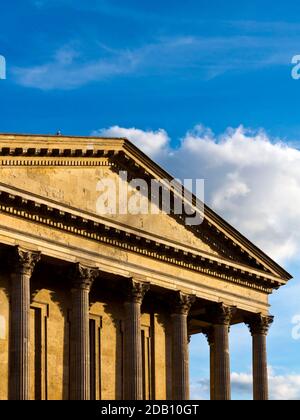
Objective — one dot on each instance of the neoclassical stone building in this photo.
(102, 307)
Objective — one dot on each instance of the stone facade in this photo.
(101, 307)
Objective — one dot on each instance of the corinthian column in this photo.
(210, 335)
(24, 263)
(82, 278)
(221, 319)
(259, 327)
(180, 355)
(133, 367)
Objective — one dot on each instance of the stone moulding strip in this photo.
(116, 154)
(99, 158)
(107, 264)
(46, 215)
(60, 162)
(33, 146)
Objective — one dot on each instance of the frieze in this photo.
(29, 210)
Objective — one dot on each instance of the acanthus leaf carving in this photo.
(83, 277)
(222, 314)
(137, 290)
(182, 303)
(210, 335)
(259, 324)
(25, 260)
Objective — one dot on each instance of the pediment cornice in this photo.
(37, 150)
(47, 212)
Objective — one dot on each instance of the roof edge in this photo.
(210, 215)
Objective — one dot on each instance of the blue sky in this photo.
(222, 63)
(190, 69)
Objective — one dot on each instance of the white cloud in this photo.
(285, 387)
(281, 387)
(151, 142)
(200, 390)
(202, 57)
(251, 180)
(68, 69)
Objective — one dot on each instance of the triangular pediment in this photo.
(82, 188)
(67, 171)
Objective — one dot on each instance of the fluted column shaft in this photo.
(259, 326)
(133, 367)
(222, 318)
(83, 278)
(24, 263)
(211, 341)
(222, 363)
(180, 350)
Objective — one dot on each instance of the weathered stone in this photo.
(67, 340)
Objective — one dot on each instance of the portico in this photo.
(103, 307)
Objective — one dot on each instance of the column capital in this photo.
(25, 260)
(83, 277)
(133, 359)
(222, 314)
(259, 324)
(136, 291)
(181, 303)
(210, 335)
